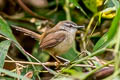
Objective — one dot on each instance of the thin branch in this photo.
(14, 60)
(30, 11)
(47, 63)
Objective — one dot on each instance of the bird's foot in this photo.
(58, 64)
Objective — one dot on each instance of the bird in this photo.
(57, 40)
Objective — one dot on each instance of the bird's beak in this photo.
(79, 27)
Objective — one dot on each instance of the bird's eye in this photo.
(68, 25)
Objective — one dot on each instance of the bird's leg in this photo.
(58, 61)
(56, 58)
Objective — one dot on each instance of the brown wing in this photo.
(52, 40)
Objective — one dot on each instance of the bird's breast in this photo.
(65, 45)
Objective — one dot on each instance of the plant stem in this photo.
(67, 10)
(116, 50)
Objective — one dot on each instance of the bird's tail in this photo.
(28, 32)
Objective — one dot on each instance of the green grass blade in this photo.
(101, 42)
(13, 74)
(5, 30)
(114, 27)
(4, 46)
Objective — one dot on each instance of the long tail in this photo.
(28, 32)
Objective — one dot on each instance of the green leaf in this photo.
(13, 74)
(5, 30)
(114, 27)
(4, 46)
(70, 55)
(101, 42)
(105, 40)
(91, 5)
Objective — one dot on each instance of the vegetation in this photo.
(95, 54)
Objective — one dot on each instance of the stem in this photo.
(67, 10)
(116, 51)
(88, 27)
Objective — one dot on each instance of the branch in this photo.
(47, 63)
(30, 11)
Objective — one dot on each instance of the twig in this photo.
(63, 59)
(30, 11)
(14, 60)
(34, 63)
(18, 70)
(26, 53)
(46, 63)
(87, 30)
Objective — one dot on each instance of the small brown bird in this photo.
(56, 40)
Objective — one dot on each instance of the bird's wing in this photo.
(52, 40)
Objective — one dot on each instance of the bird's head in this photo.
(69, 26)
